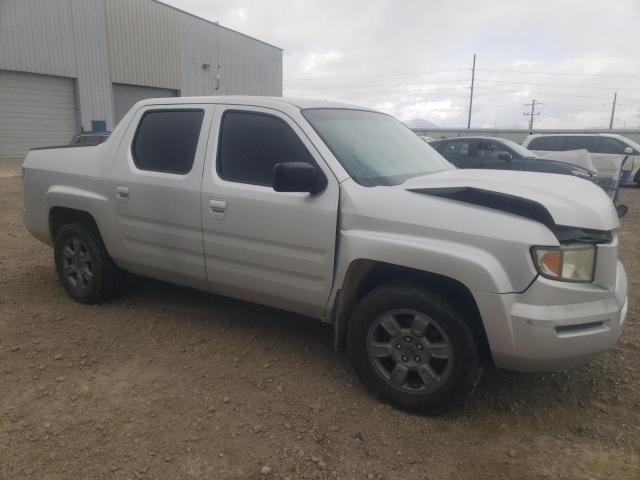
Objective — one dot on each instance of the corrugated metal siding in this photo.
(125, 96)
(37, 36)
(136, 42)
(143, 43)
(175, 46)
(35, 111)
(199, 45)
(91, 48)
(248, 67)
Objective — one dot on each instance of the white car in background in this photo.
(608, 151)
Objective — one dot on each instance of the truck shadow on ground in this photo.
(310, 342)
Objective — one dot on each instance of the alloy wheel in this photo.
(410, 351)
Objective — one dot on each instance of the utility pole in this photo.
(532, 114)
(613, 110)
(473, 77)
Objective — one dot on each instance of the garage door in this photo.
(125, 96)
(35, 111)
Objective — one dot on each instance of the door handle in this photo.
(122, 193)
(217, 206)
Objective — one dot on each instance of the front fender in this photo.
(473, 267)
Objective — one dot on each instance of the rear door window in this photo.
(166, 140)
(456, 148)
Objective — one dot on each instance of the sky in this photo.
(413, 59)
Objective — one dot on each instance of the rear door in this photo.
(156, 184)
(269, 247)
(457, 152)
(506, 159)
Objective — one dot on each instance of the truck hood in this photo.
(555, 200)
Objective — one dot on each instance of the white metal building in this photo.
(71, 65)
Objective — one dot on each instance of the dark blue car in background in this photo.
(501, 154)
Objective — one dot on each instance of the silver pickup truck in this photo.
(342, 214)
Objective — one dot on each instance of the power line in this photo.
(461, 88)
(376, 76)
(434, 72)
(411, 84)
(432, 82)
(557, 85)
(529, 72)
(501, 91)
(385, 92)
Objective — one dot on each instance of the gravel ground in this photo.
(167, 382)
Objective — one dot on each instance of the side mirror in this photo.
(298, 177)
(505, 156)
(628, 151)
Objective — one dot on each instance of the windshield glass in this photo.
(519, 149)
(374, 148)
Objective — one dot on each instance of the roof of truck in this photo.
(257, 101)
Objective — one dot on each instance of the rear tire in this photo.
(413, 349)
(85, 269)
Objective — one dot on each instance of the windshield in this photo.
(374, 148)
(519, 149)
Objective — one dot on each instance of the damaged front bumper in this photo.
(553, 325)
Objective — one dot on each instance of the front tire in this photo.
(85, 269)
(413, 349)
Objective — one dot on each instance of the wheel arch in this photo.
(60, 216)
(364, 275)
(67, 203)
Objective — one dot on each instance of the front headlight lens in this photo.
(569, 263)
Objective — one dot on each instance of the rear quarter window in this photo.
(608, 145)
(545, 143)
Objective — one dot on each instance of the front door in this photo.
(270, 247)
(487, 154)
(156, 184)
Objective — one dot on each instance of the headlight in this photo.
(570, 263)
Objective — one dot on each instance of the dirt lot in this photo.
(169, 383)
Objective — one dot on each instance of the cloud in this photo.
(313, 60)
(570, 55)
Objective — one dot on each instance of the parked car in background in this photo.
(501, 154)
(607, 150)
(89, 138)
(342, 214)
